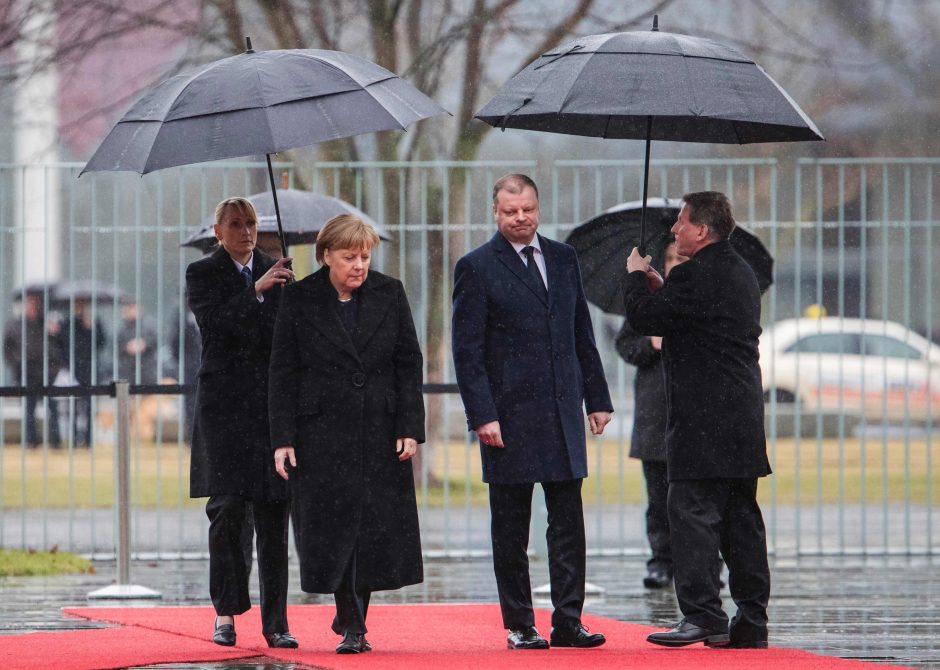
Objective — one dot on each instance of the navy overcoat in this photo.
(528, 361)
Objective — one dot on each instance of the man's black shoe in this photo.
(657, 579)
(353, 643)
(281, 640)
(746, 644)
(526, 638)
(576, 635)
(685, 633)
(224, 634)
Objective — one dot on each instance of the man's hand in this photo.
(656, 342)
(282, 456)
(597, 421)
(638, 263)
(406, 447)
(278, 274)
(489, 434)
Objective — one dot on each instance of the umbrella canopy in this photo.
(649, 85)
(259, 103)
(87, 289)
(302, 215)
(604, 242)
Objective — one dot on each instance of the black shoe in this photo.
(685, 633)
(281, 640)
(365, 645)
(575, 634)
(657, 579)
(526, 637)
(353, 643)
(746, 644)
(224, 634)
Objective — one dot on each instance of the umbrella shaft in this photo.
(646, 184)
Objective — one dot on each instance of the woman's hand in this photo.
(406, 447)
(278, 274)
(282, 456)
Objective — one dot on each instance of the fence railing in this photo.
(852, 445)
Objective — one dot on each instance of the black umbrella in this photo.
(302, 215)
(653, 86)
(259, 103)
(602, 244)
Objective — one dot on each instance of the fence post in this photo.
(123, 589)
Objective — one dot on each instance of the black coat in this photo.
(341, 399)
(527, 360)
(708, 313)
(231, 451)
(648, 442)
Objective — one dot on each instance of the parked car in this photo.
(876, 370)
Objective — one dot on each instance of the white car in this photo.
(876, 370)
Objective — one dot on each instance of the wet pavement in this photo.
(883, 609)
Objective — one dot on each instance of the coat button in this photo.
(359, 379)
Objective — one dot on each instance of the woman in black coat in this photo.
(234, 294)
(347, 414)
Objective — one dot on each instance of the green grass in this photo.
(19, 563)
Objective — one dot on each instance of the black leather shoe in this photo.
(657, 579)
(353, 643)
(281, 640)
(224, 634)
(576, 635)
(685, 633)
(746, 644)
(526, 638)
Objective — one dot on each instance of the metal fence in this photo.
(854, 238)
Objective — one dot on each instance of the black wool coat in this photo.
(708, 313)
(648, 441)
(341, 399)
(231, 451)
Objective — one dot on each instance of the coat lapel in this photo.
(508, 257)
(326, 318)
(372, 310)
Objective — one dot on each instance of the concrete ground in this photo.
(883, 609)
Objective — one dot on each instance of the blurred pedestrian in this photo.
(234, 294)
(648, 440)
(137, 347)
(84, 341)
(347, 415)
(527, 366)
(708, 313)
(32, 350)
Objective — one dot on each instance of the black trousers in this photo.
(230, 557)
(511, 512)
(657, 516)
(351, 605)
(712, 515)
(52, 421)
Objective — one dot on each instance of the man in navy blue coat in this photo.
(527, 366)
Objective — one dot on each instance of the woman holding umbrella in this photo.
(234, 295)
(347, 414)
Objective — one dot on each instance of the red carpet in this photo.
(432, 637)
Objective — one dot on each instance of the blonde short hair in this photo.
(345, 231)
(243, 205)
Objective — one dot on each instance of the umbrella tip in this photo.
(248, 49)
(655, 23)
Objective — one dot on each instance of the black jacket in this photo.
(648, 441)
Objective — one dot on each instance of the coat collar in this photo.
(373, 305)
(507, 256)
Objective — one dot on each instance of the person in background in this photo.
(83, 342)
(136, 342)
(34, 361)
(648, 441)
(347, 415)
(527, 368)
(186, 348)
(708, 314)
(234, 294)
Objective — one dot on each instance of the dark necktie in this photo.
(246, 275)
(534, 269)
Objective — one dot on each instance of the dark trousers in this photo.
(51, 421)
(230, 557)
(712, 515)
(511, 512)
(81, 422)
(657, 516)
(351, 605)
